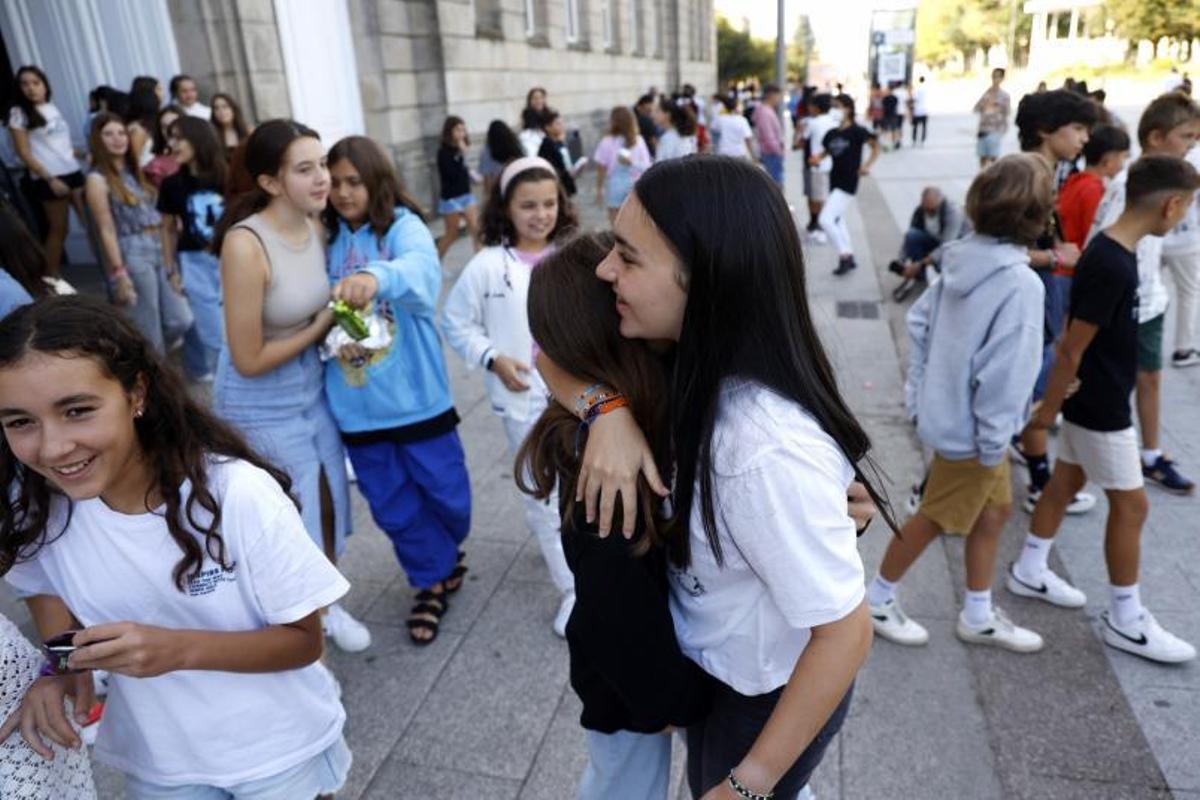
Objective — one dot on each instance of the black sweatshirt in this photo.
(452, 169)
(626, 665)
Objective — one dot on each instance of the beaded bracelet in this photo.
(742, 791)
(117, 274)
(582, 399)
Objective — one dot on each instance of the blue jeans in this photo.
(160, 313)
(1058, 298)
(774, 166)
(918, 244)
(627, 765)
(420, 496)
(202, 285)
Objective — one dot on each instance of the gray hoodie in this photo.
(976, 350)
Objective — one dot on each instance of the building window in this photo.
(531, 26)
(489, 21)
(635, 27)
(656, 28)
(608, 23)
(574, 22)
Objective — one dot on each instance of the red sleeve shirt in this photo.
(1077, 203)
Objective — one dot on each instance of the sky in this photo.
(841, 29)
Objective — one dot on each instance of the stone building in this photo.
(393, 69)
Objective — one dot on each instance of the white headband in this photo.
(517, 166)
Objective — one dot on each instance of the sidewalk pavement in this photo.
(486, 711)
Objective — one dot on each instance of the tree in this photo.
(948, 27)
(800, 50)
(1155, 19)
(741, 56)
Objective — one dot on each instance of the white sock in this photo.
(880, 591)
(1125, 604)
(977, 607)
(1150, 456)
(1034, 555)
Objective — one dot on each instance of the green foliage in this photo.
(948, 27)
(740, 56)
(1155, 19)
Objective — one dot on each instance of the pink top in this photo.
(610, 146)
(769, 130)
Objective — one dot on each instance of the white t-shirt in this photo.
(204, 727)
(818, 126)
(50, 144)
(1184, 238)
(731, 132)
(790, 551)
(920, 101)
(1152, 292)
(198, 110)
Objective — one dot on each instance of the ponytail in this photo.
(236, 210)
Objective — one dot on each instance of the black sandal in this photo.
(428, 604)
(454, 580)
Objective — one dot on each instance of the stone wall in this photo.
(233, 46)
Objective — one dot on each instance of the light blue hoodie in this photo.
(407, 382)
(976, 350)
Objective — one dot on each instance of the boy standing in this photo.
(993, 109)
(769, 130)
(1054, 126)
(1181, 255)
(1106, 152)
(1100, 348)
(821, 120)
(1169, 126)
(977, 342)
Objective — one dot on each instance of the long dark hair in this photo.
(176, 435)
(683, 117)
(747, 316)
(21, 255)
(161, 148)
(239, 120)
(574, 321)
(143, 106)
(502, 143)
(33, 117)
(384, 189)
(497, 227)
(448, 127)
(209, 164)
(266, 150)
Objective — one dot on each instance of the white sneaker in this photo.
(1146, 638)
(1049, 587)
(890, 622)
(347, 633)
(999, 631)
(564, 613)
(818, 237)
(1082, 503)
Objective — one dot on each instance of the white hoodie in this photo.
(484, 316)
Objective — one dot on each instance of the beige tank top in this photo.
(299, 285)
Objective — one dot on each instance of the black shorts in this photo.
(43, 192)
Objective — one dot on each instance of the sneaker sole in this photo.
(1178, 492)
(967, 636)
(1114, 641)
(1185, 364)
(1073, 510)
(902, 642)
(1021, 590)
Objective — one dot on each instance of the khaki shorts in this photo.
(958, 492)
(818, 187)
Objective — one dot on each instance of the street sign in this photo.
(899, 36)
(892, 67)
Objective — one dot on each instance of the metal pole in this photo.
(781, 48)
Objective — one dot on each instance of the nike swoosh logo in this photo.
(879, 617)
(1039, 589)
(1140, 641)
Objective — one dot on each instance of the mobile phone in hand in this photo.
(58, 650)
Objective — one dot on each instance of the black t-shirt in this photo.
(452, 169)
(197, 205)
(648, 131)
(891, 104)
(845, 146)
(1105, 293)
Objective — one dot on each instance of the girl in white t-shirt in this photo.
(42, 140)
(148, 527)
(732, 132)
(767, 595)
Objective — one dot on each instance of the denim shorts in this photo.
(324, 773)
(988, 145)
(456, 205)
